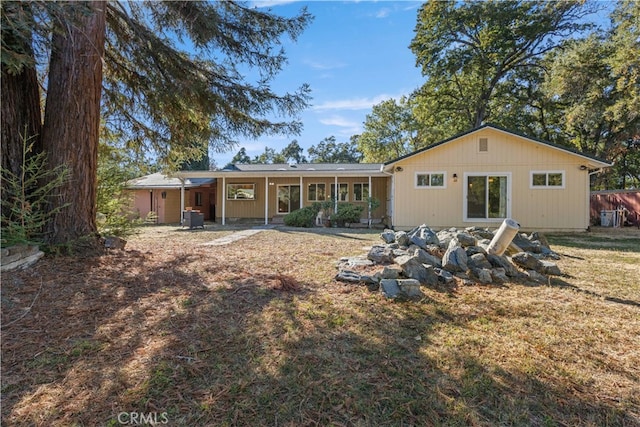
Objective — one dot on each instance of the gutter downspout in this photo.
(224, 198)
(588, 207)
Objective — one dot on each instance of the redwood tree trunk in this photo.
(72, 120)
(20, 111)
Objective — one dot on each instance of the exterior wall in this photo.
(168, 209)
(535, 209)
(207, 199)
(254, 209)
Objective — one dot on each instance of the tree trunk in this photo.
(20, 110)
(72, 121)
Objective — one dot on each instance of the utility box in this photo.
(503, 237)
(606, 218)
(193, 219)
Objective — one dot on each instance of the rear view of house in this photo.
(483, 176)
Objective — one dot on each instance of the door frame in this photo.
(465, 187)
(278, 198)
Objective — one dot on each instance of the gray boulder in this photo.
(402, 238)
(479, 261)
(426, 258)
(380, 255)
(388, 236)
(501, 261)
(414, 269)
(455, 259)
(527, 261)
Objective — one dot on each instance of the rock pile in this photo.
(421, 257)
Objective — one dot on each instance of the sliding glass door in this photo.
(288, 198)
(487, 196)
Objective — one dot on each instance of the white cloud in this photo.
(270, 3)
(323, 66)
(353, 103)
(348, 127)
(383, 13)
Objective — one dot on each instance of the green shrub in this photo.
(25, 197)
(347, 214)
(304, 217)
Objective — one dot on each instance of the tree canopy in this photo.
(173, 79)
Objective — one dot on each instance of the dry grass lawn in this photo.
(258, 333)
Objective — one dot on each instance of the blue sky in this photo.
(354, 54)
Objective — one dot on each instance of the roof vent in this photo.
(293, 165)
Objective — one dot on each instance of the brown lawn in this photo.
(257, 333)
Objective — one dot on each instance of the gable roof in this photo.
(159, 180)
(598, 162)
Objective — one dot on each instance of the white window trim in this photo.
(316, 184)
(430, 187)
(464, 196)
(547, 187)
(241, 183)
(364, 199)
(337, 191)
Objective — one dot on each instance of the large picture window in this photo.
(430, 180)
(360, 191)
(547, 179)
(241, 191)
(316, 192)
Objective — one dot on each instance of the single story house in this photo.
(477, 178)
(267, 192)
(167, 196)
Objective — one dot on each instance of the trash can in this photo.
(503, 237)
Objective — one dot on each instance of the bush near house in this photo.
(346, 214)
(302, 217)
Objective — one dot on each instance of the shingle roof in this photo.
(159, 180)
(298, 167)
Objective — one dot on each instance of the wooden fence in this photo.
(615, 208)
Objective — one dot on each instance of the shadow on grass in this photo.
(559, 283)
(629, 242)
(128, 333)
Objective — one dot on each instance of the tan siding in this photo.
(533, 208)
(255, 209)
(171, 207)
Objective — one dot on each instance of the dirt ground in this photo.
(258, 332)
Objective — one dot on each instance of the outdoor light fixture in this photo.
(455, 177)
(583, 168)
(164, 194)
(399, 169)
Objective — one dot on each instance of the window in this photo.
(483, 145)
(343, 192)
(198, 198)
(360, 192)
(547, 179)
(241, 191)
(430, 180)
(316, 193)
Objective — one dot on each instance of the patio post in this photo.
(224, 198)
(266, 200)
